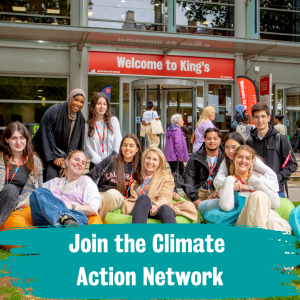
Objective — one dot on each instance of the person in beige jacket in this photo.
(154, 197)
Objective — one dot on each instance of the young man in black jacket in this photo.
(203, 166)
(272, 146)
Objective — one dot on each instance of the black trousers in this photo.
(8, 201)
(141, 211)
(173, 166)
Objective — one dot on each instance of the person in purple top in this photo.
(208, 115)
(176, 148)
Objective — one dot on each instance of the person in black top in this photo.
(116, 173)
(61, 132)
(203, 166)
(272, 146)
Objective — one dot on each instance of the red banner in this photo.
(160, 66)
(264, 86)
(248, 92)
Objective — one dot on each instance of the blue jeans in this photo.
(207, 205)
(47, 210)
(281, 194)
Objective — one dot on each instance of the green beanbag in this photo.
(117, 217)
(286, 206)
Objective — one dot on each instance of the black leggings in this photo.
(141, 211)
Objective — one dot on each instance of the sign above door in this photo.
(160, 66)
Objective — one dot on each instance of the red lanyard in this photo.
(103, 136)
(129, 186)
(242, 182)
(16, 170)
(143, 186)
(212, 168)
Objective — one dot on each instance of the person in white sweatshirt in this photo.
(261, 202)
(232, 142)
(102, 130)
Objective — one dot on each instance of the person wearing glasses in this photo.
(272, 146)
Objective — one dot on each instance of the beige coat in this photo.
(161, 192)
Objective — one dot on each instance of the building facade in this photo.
(182, 55)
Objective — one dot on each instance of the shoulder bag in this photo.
(178, 179)
(156, 126)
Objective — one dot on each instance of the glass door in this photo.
(292, 108)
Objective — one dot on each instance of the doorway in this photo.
(169, 97)
(292, 110)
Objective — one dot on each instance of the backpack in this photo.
(234, 123)
(241, 129)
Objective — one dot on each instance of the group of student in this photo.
(121, 176)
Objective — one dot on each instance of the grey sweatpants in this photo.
(8, 201)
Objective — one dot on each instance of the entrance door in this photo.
(292, 109)
(169, 96)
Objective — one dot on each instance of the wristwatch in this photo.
(73, 207)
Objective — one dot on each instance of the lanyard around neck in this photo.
(242, 182)
(129, 186)
(103, 135)
(144, 186)
(16, 170)
(212, 168)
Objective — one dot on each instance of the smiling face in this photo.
(129, 148)
(212, 141)
(261, 120)
(151, 162)
(77, 104)
(76, 164)
(230, 147)
(17, 142)
(212, 115)
(243, 162)
(101, 106)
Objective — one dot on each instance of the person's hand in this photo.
(63, 172)
(196, 203)
(59, 162)
(245, 187)
(153, 210)
(237, 186)
(180, 159)
(69, 206)
(25, 205)
(176, 196)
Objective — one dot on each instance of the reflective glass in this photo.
(293, 113)
(273, 21)
(128, 14)
(126, 94)
(33, 88)
(194, 14)
(280, 4)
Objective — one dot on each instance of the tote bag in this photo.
(219, 217)
(156, 126)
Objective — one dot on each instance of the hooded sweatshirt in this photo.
(239, 117)
(176, 147)
(266, 149)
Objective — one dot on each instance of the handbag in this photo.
(156, 126)
(219, 217)
(178, 179)
(142, 131)
(97, 179)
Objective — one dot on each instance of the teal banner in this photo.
(142, 261)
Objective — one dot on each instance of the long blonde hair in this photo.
(204, 116)
(161, 170)
(232, 169)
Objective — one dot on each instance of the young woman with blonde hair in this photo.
(205, 121)
(261, 202)
(154, 197)
(67, 200)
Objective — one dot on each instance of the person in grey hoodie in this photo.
(176, 148)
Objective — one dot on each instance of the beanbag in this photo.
(117, 217)
(294, 221)
(22, 219)
(286, 206)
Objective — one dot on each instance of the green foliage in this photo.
(11, 293)
(4, 254)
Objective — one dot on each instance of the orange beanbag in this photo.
(22, 219)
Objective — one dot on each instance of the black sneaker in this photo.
(68, 221)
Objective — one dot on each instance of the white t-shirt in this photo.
(149, 115)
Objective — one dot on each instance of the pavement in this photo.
(294, 191)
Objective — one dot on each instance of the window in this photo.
(36, 11)
(203, 17)
(26, 99)
(128, 14)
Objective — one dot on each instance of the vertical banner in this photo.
(248, 92)
(265, 89)
(107, 91)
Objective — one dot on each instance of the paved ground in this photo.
(294, 192)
